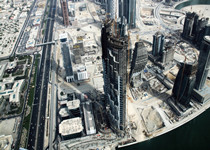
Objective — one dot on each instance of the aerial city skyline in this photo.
(103, 74)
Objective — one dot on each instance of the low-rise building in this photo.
(31, 41)
(63, 37)
(67, 63)
(89, 118)
(82, 73)
(37, 22)
(74, 107)
(74, 104)
(70, 127)
(12, 91)
(11, 67)
(64, 113)
(6, 142)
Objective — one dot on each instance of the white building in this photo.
(63, 37)
(74, 104)
(37, 22)
(11, 65)
(70, 126)
(33, 35)
(6, 142)
(89, 118)
(12, 93)
(82, 73)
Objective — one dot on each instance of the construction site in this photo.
(95, 110)
(116, 72)
(143, 103)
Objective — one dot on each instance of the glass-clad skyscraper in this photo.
(130, 12)
(203, 63)
(120, 8)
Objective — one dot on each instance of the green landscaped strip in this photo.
(26, 121)
(31, 91)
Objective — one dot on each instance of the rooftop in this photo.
(64, 112)
(70, 126)
(67, 60)
(74, 104)
(14, 92)
(89, 118)
(6, 142)
(63, 35)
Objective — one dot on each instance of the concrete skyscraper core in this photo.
(114, 55)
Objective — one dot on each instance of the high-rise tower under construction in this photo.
(114, 47)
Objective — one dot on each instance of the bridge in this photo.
(47, 43)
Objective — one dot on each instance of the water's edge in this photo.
(192, 2)
(193, 135)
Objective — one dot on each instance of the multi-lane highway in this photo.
(168, 28)
(158, 17)
(37, 126)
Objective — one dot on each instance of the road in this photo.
(168, 28)
(22, 30)
(36, 133)
(140, 24)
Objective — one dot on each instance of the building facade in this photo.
(203, 63)
(139, 61)
(195, 29)
(82, 73)
(112, 9)
(114, 56)
(67, 62)
(130, 12)
(168, 53)
(120, 8)
(184, 83)
(158, 44)
(188, 26)
(200, 30)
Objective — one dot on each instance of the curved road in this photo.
(158, 17)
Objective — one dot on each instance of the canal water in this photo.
(193, 2)
(194, 135)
